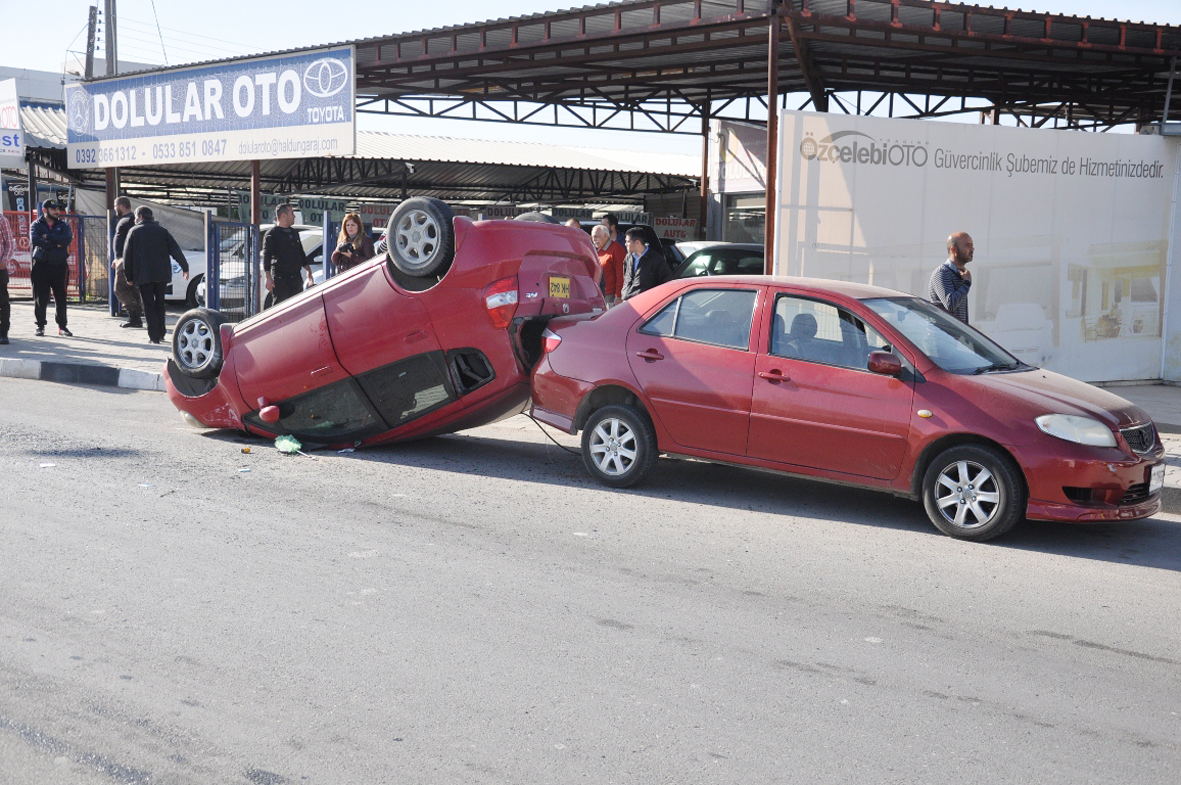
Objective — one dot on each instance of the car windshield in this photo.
(951, 344)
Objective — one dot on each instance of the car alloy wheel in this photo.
(967, 495)
(196, 343)
(613, 446)
(422, 237)
(973, 492)
(619, 445)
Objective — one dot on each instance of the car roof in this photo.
(850, 289)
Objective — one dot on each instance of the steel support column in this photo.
(772, 136)
(703, 213)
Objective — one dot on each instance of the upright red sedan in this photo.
(847, 383)
(437, 336)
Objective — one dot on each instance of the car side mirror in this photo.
(885, 363)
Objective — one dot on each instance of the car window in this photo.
(700, 265)
(821, 332)
(409, 388)
(721, 317)
(737, 263)
(948, 342)
(334, 413)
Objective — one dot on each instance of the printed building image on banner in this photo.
(284, 106)
(1071, 229)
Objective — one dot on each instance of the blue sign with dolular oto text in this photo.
(284, 106)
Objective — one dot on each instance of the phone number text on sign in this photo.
(186, 149)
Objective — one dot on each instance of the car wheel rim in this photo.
(613, 447)
(417, 237)
(194, 345)
(967, 495)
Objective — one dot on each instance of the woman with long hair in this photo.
(353, 246)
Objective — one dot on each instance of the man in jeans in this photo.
(7, 247)
(125, 291)
(50, 238)
(282, 256)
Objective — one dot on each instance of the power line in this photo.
(158, 31)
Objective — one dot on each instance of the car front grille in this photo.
(1135, 494)
(1140, 438)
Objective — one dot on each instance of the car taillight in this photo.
(501, 299)
(549, 341)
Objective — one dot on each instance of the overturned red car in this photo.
(436, 335)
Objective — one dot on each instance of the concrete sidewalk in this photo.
(103, 353)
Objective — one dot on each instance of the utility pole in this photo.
(92, 32)
(112, 47)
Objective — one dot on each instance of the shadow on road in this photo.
(1155, 542)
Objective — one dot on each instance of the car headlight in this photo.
(1081, 430)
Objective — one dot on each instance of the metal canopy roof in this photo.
(391, 165)
(662, 64)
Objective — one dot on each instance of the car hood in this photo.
(1046, 392)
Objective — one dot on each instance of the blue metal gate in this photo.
(232, 280)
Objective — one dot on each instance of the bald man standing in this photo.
(952, 280)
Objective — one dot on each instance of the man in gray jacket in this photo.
(145, 262)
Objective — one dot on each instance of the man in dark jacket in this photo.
(145, 261)
(125, 291)
(50, 238)
(283, 256)
(644, 268)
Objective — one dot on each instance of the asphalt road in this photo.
(473, 609)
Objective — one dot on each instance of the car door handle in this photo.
(416, 336)
(651, 355)
(774, 376)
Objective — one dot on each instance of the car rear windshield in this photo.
(951, 344)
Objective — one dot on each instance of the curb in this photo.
(80, 373)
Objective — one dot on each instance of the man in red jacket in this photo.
(611, 256)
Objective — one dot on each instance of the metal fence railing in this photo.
(89, 270)
(232, 280)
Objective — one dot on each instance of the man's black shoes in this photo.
(132, 323)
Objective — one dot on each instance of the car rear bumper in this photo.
(206, 400)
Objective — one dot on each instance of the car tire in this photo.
(196, 343)
(974, 492)
(619, 445)
(423, 237)
(537, 217)
(194, 297)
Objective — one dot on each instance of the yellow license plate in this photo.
(559, 287)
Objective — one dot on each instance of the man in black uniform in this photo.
(145, 259)
(126, 293)
(283, 256)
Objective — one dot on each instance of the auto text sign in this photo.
(285, 106)
(12, 140)
(675, 228)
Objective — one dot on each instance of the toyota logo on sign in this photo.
(79, 113)
(326, 77)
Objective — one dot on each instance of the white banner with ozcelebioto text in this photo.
(1071, 229)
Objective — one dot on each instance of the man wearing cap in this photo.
(50, 238)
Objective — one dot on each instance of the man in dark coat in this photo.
(644, 267)
(124, 291)
(145, 261)
(50, 238)
(283, 256)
